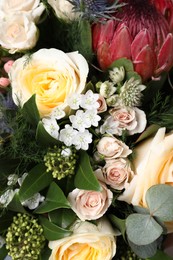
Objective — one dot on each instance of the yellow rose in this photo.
(52, 75)
(153, 164)
(87, 242)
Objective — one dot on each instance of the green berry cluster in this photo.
(24, 238)
(61, 161)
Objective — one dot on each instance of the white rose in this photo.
(32, 7)
(90, 205)
(131, 119)
(52, 75)
(110, 147)
(153, 165)
(87, 242)
(116, 173)
(18, 33)
(63, 9)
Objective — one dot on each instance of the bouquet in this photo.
(86, 120)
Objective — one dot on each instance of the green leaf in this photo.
(15, 205)
(145, 251)
(85, 178)
(6, 220)
(3, 252)
(118, 223)
(43, 137)
(150, 131)
(142, 229)
(63, 217)
(45, 254)
(160, 255)
(37, 180)
(52, 231)
(55, 199)
(159, 199)
(30, 111)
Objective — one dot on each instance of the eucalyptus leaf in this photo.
(159, 199)
(15, 205)
(55, 199)
(52, 231)
(85, 178)
(142, 229)
(43, 137)
(36, 180)
(141, 210)
(30, 110)
(62, 217)
(120, 224)
(144, 251)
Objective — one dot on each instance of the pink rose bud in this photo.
(4, 82)
(8, 65)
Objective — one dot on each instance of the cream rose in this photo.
(63, 9)
(153, 165)
(87, 242)
(32, 7)
(52, 75)
(116, 173)
(18, 33)
(110, 147)
(131, 119)
(90, 205)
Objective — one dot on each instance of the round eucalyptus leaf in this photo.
(142, 229)
(159, 199)
(145, 251)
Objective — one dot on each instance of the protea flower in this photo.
(166, 8)
(139, 33)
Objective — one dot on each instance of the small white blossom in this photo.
(107, 89)
(12, 179)
(21, 179)
(57, 113)
(80, 121)
(66, 152)
(67, 135)
(117, 74)
(82, 140)
(74, 101)
(89, 100)
(110, 126)
(2, 241)
(51, 127)
(34, 201)
(6, 197)
(92, 116)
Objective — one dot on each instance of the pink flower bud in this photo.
(4, 82)
(8, 65)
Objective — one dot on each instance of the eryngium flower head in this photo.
(24, 238)
(141, 34)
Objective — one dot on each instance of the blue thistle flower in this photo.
(95, 9)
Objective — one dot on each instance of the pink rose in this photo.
(8, 65)
(131, 119)
(4, 82)
(90, 205)
(116, 173)
(110, 147)
(102, 104)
